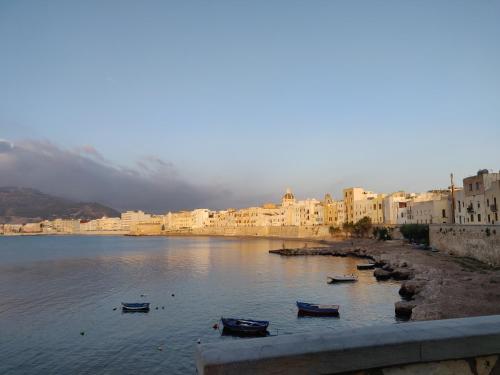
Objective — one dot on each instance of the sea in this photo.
(60, 299)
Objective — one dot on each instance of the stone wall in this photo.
(320, 232)
(481, 242)
(447, 347)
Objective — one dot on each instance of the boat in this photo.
(365, 266)
(143, 306)
(317, 309)
(245, 326)
(342, 279)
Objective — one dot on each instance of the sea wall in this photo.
(481, 242)
(283, 231)
(452, 346)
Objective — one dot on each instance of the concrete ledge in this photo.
(347, 350)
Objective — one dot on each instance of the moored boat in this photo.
(245, 326)
(317, 309)
(365, 266)
(341, 279)
(143, 306)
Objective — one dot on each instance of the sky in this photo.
(166, 105)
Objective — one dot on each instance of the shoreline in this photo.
(434, 285)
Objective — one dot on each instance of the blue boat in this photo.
(317, 309)
(135, 306)
(245, 326)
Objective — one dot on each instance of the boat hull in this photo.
(135, 306)
(368, 266)
(245, 326)
(309, 309)
(334, 280)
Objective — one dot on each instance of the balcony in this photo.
(470, 209)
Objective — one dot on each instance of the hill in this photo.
(22, 205)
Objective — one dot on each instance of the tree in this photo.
(333, 230)
(362, 226)
(415, 233)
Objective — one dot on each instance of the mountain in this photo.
(22, 205)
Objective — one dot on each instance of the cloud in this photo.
(83, 174)
(5, 146)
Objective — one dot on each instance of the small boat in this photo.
(245, 326)
(342, 279)
(317, 309)
(365, 266)
(144, 306)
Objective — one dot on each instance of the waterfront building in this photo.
(479, 197)
(109, 224)
(32, 228)
(460, 210)
(12, 228)
(492, 196)
(130, 218)
(394, 207)
(88, 226)
(66, 226)
(359, 203)
(433, 207)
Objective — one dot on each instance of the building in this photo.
(394, 207)
(64, 226)
(359, 203)
(130, 218)
(433, 207)
(475, 202)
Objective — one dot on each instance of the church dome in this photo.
(288, 194)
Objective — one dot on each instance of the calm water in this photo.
(52, 288)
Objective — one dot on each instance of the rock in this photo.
(387, 267)
(381, 274)
(401, 274)
(403, 309)
(410, 288)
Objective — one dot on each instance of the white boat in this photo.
(342, 279)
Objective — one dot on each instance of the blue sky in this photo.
(257, 96)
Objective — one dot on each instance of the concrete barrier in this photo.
(466, 345)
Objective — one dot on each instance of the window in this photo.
(443, 213)
(478, 218)
(477, 185)
(489, 218)
(487, 202)
(471, 218)
(470, 187)
(380, 206)
(478, 205)
(459, 208)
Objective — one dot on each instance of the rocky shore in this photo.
(433, 285)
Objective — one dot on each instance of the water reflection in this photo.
(53, 288)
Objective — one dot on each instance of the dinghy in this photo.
(317, 309)
(365, 266)
(245, 326)
(341, 279)
(126, 306)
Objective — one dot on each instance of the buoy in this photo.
(82, 333)
(163, 307)
(114, 308)
(215, 326)
(156, 308)
(199, 341)
(173, 294)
